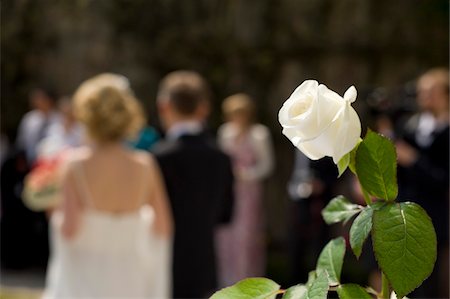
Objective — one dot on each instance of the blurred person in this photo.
(310, 188)
(35, 124)
(241, 243)
(41, 185)
(423, 175)
(65, 133)
(199, 181)
(111, 235)
(68, 129)
(22, 228)
(146, 139)
(384, 126)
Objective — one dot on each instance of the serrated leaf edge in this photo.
(373, 233)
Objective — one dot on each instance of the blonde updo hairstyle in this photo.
(239, 104)
(105, 104)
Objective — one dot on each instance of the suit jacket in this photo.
(427, 180)
(199, 183)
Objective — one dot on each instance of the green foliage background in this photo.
(262, 47)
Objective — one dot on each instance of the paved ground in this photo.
(21, 284)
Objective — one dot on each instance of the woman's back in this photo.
(113, 179)
(114, 252)
(111, 234)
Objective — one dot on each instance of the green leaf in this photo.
(376, 166)
(352, 291)
(339, 209)
(331, 259)
(348, 160)
(360, 229)
(404, 243)
(250, 288)
(352, 163)
(343, 164)
(296, 292)
(317, 286)
(312, 275)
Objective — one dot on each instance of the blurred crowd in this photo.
(83, 158)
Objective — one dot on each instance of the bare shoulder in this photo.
(146, 161)
(76, 156)
(227, 130)
(143, 158)
(260, 132)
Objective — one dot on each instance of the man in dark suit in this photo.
(198, 178)
(423, 173)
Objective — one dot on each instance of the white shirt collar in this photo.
(425, 129)
(184, 128)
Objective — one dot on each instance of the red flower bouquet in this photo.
(42, 185)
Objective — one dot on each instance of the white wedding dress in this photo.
(112, 256)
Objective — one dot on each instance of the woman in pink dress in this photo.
(240, 244)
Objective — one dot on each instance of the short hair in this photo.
(186, 90)
(48, 91)
(439, 74)
(239, 103)
(105, 104)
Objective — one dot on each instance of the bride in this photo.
(111, 236)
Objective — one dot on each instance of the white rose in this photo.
(320, 122)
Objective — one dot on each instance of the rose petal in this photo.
(350, 134)
(292, 135)
(308, 87)
(344, 133)
(330, 104)
(351, 94)
(314, 149)
(306, 124)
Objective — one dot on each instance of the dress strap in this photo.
(82, 184)
(145, 184)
